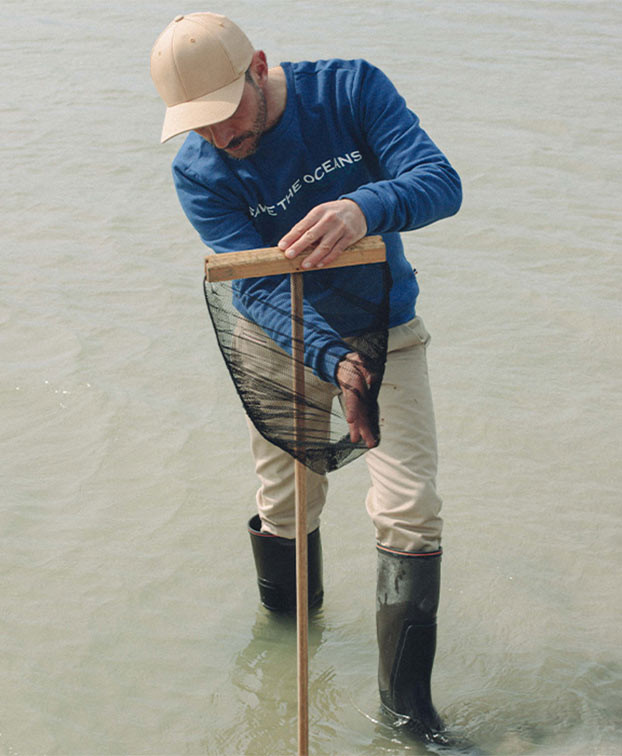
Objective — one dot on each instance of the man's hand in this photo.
(332, 226)
(355, 380)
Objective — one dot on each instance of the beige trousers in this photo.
(402, 500)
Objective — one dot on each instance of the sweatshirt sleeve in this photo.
(419, 186)
(224, 226)
(220, 218)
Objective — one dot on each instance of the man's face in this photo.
(239, 135)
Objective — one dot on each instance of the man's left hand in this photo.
(355, 381)
(332, 226)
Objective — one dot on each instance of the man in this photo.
(323, 154)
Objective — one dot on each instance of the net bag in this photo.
(252, 320)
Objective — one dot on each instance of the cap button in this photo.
(178, 18)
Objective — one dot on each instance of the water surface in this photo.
(129, 617)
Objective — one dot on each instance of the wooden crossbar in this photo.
(270, 261)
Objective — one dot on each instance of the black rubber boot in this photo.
(275, 560)
(406, 605)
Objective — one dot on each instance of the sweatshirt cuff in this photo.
(330, 361)
(371, 206)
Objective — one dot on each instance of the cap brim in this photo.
(212, 108)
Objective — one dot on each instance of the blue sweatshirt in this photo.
(345, 133)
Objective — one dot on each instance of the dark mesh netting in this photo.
(252, 319)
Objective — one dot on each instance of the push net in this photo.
(344, 308)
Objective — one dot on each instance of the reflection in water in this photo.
(264, 676)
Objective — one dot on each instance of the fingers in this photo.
(356, 417)
(352, 417)
(328, 228)
(320, 229)
(354, 381)
(326, 252)
(326, 247)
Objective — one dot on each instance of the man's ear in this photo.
(259, 66)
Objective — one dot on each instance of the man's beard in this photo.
(254, 134)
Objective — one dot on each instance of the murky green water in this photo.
(129, 617)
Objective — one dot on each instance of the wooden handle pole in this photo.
(270, 261)
(302, 585)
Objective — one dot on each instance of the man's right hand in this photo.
(355, 380)
(330, 227)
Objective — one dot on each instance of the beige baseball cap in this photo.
(198, 65)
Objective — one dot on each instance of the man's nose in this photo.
(204, 132)
(217, 134)
(221, 134)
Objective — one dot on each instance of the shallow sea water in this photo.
(129, 618)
